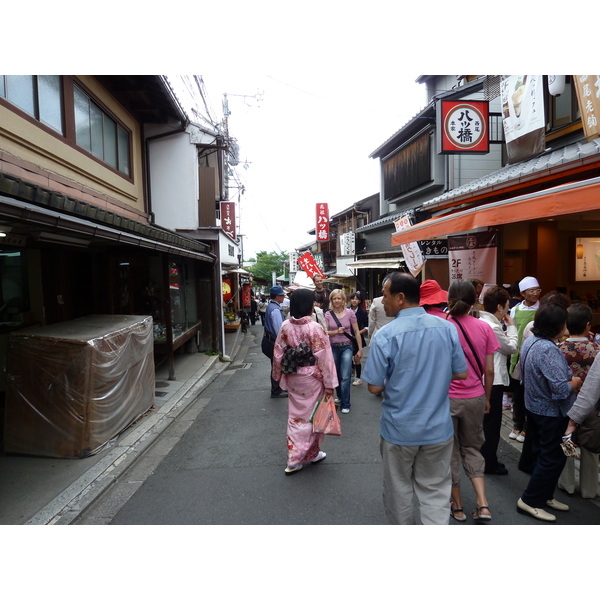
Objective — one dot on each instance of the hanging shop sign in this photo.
(413, 258)
(473, 256)
(523, 119)
(463, 127)
(309, 265)
(322, 228)
(588, 96)
(228, 218)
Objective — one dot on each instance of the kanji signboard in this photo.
(228, 218)
(588, 95)
(413, 257)
(308, 264)
(464, 127)
(322, 228)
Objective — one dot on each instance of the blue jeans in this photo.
(342, 356)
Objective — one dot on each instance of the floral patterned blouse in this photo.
(580, 355)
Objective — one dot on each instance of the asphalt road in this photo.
(222, 463)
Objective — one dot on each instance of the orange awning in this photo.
(561, 200)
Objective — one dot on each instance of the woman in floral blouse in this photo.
(580, 353)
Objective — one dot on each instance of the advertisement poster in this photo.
(587, 268)
(413, 258)
(473, 256)
(523, 118)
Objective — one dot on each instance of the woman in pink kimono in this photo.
(303, 364)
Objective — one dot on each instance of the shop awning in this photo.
(565, 199)
(376, 263)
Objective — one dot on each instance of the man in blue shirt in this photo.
(273, 319)
(412, 360)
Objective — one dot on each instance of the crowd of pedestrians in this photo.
(443, 364)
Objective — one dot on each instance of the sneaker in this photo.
(514, 434)
(521, 437)
(345, 411)
(336, 401)
(357, 382)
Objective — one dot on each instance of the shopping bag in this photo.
(324, 417)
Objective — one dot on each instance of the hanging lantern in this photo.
(556, 84)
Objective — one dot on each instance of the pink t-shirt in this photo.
(346, 322)
(485, 342)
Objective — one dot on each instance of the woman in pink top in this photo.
(341, 344)
(470, 398)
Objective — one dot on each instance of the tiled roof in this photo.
(572, 153)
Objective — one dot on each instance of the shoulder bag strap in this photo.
(470, 346)
(330, 311)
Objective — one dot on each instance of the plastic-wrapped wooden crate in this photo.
(74, 386)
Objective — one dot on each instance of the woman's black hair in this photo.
(319, 298)
(578, 316)
(549, 321)
(461, 297)
(302, 303)
(355, 295)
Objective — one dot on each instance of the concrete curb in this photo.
(68, 505)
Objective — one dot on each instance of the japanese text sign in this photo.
(588, 96)
(308, 264)
(228, 218)
(464, 127)
(472, 256)
(322, 228)
(413, 257)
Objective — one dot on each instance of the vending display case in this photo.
(74, 386)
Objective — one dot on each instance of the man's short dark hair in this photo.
(578, 316)
(549, 321)
(407, 284)
(494, 296)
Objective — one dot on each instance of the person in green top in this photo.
(522, 313)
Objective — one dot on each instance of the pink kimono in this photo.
(305, 386)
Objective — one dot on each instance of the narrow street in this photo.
(222, 462)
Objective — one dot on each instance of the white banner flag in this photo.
(412, 253)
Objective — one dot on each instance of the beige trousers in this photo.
(420, 473)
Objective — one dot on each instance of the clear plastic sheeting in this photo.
(74, 386)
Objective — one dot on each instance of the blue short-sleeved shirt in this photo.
(415, 356)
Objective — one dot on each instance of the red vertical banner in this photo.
(322, 228)
(246, 297)
(228, 218)
(309, 266)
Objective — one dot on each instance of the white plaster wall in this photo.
(174, 181)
